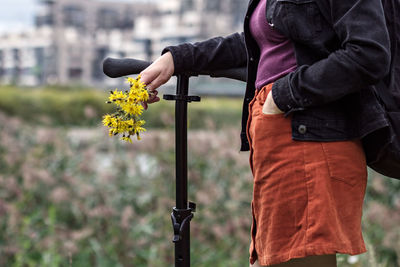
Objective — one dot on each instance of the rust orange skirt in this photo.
(307, 196)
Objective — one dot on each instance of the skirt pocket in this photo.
(345, 153)
(261, 98)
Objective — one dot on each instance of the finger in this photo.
(148, 75)
(151, 99)
(156, 99)
(157, 82)
(152, 93)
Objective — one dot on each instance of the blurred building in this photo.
(72, 37)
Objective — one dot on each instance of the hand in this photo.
(269, 107)
(155, 75)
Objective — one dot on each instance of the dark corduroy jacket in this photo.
(342, 50)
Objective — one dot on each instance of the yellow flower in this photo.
(131, 80)
(127, 120)
(135, 82)
(126, 125)
(133, 109)
(132, 98)
(140, 123)
(137, 86)
(129, 123)
(111, 132)
(117, 96)
(138, 126)
(126, 138)
(144, 96)
(107, 120)
(139, 129)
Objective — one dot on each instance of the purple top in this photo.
(277, 56)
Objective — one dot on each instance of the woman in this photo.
(308, 103)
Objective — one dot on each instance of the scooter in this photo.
(182, 213)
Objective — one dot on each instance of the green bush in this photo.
(64, 106)
(54, 106)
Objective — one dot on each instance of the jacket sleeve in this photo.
(212, 54)
(363, 59)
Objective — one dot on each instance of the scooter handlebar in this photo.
(115, 68)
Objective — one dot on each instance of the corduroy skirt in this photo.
(307, 196)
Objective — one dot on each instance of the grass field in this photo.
(72, 196)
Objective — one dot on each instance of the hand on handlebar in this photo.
(157, 74)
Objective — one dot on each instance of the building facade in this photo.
(72, 37)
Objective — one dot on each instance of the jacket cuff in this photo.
(283, 96)
(179, 53)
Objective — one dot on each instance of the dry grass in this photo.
(75, 197)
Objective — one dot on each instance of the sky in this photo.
(16, 15)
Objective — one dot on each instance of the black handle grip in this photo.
(115, 68)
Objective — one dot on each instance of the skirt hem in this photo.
(313, 250)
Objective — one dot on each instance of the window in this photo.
(107, 18)
(75, 73)
(74, 16)
(213, 5)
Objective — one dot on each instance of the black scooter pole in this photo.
(182, 213)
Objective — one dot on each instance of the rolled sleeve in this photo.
(212, 54)
(179, 53)
(282, 95)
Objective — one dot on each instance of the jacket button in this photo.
(251, 59)
(302, 129)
